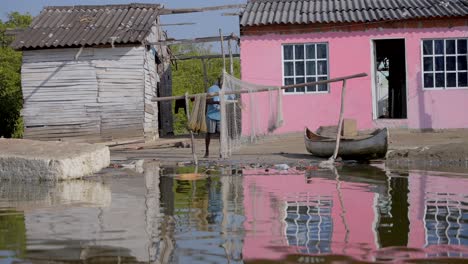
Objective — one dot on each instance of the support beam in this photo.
(203, 57)
(211, 95)
(178, 24)
(169, 11)
(195, 40)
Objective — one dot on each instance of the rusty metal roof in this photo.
(269, 12)
(71, 26)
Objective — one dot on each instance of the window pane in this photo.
(462, 79)
(451, 80)
(439, 46)
(461, 46)
(322, 87)
(310, 51)
(428, 80)
(288, 52)
(427, 47)
(299, 68)
(428, 64)
(298, 81)
(450, 63)
(439, 63)
(288, 81)
(462, 61)
(288, 69)
(450, 46)
(299, 49)
(322, 67)
(439, 80)
(321, 51)
(310, 68)
(312, 88)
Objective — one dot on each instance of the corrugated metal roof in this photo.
(67, 26)
(268, 12)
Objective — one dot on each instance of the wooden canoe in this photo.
(373, 146)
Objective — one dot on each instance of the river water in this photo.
(228, 215)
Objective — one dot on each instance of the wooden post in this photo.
(340, 122)
(205, 74)
(222, 49)
(231, 65)
(187, 106)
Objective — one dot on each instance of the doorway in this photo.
(390, 79)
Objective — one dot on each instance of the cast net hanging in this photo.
(245, 117)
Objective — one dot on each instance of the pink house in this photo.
(414, 52)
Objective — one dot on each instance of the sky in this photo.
(208, 23)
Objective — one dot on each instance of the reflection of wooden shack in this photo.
(89, 73)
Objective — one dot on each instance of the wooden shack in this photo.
(89, 74)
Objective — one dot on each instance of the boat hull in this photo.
(373, 147)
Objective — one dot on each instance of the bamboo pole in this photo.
(340, 122)
(192, 139)
(205, 74)
(210, 95)
(222, 49)
(231, 64)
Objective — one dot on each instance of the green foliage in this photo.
(188, 76)
(11, 100)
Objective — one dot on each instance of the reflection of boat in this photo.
(373, 146)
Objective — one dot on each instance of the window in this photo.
(445, 63)
(305, 63)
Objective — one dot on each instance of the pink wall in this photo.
(350, 53)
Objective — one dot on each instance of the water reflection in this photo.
(371, 216)
(25, 196)
(204, 215)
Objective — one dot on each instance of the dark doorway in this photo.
(390, 73)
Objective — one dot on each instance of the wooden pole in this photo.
(231, 65)
(210, 95)
(192, 139)
(222, 49)
(205, 74)
(340, 122)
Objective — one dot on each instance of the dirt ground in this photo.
(446, 149)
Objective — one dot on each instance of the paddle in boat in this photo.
(372, 146)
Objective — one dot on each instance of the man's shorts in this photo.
(213, 126)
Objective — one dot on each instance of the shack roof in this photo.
(70, 26)
(271, 12)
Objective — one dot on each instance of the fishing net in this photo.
(247, 105)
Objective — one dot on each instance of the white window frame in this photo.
(305, 60)
(433, 56)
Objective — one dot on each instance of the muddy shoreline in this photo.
(435, 150)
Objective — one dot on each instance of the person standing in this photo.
(213, 115)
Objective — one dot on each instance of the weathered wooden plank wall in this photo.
(96, 97)
(151, 84)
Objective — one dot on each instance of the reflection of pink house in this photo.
(289, 214)
(415, 53)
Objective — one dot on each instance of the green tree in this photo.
(11, 98)
(188, 76)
